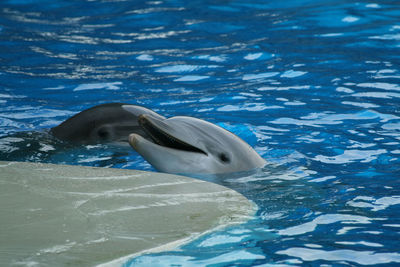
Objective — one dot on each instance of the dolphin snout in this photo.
(133, 140)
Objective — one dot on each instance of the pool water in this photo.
(313, 86)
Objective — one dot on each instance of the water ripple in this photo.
(324, 219)
(318, 119)
(350, 156)
(375, 204)
(359, 257)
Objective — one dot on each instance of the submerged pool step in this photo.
(57, 215)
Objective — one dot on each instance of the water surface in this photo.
(313, 86)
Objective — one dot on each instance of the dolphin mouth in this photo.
(162, 138)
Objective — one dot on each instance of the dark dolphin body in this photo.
(103, 123)
(106, 124)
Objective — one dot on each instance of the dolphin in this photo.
(187, 145)
(103, 123)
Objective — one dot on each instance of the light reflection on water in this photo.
(312, 85)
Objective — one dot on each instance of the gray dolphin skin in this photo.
(103, 123)
(186, 145)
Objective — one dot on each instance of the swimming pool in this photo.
(313, 86)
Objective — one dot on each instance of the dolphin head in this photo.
(186, 145)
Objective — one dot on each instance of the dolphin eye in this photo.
(103, 133)
(224, 158)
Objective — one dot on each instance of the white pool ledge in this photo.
(57, 215)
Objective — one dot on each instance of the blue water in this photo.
(313, 86)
